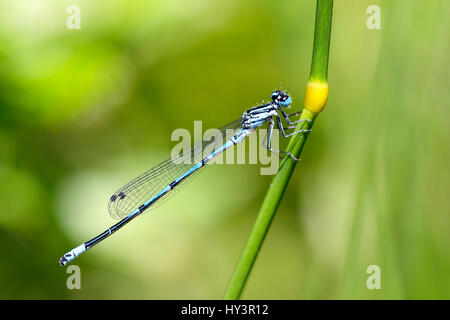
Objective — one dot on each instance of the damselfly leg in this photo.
(282, 129)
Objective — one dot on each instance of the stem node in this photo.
(316, 96)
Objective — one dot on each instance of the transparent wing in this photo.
(144, 187)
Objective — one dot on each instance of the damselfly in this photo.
(159, 183)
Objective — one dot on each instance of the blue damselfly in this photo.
(159, 183)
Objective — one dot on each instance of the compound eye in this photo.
(285, 101)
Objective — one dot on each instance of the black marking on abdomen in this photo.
(97, 239)
(173, 184)
(145, 206)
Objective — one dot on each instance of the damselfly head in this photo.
(281, 98)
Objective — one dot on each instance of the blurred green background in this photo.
(83, 111)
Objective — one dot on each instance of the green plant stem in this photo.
(321, 47)
(319, 67)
